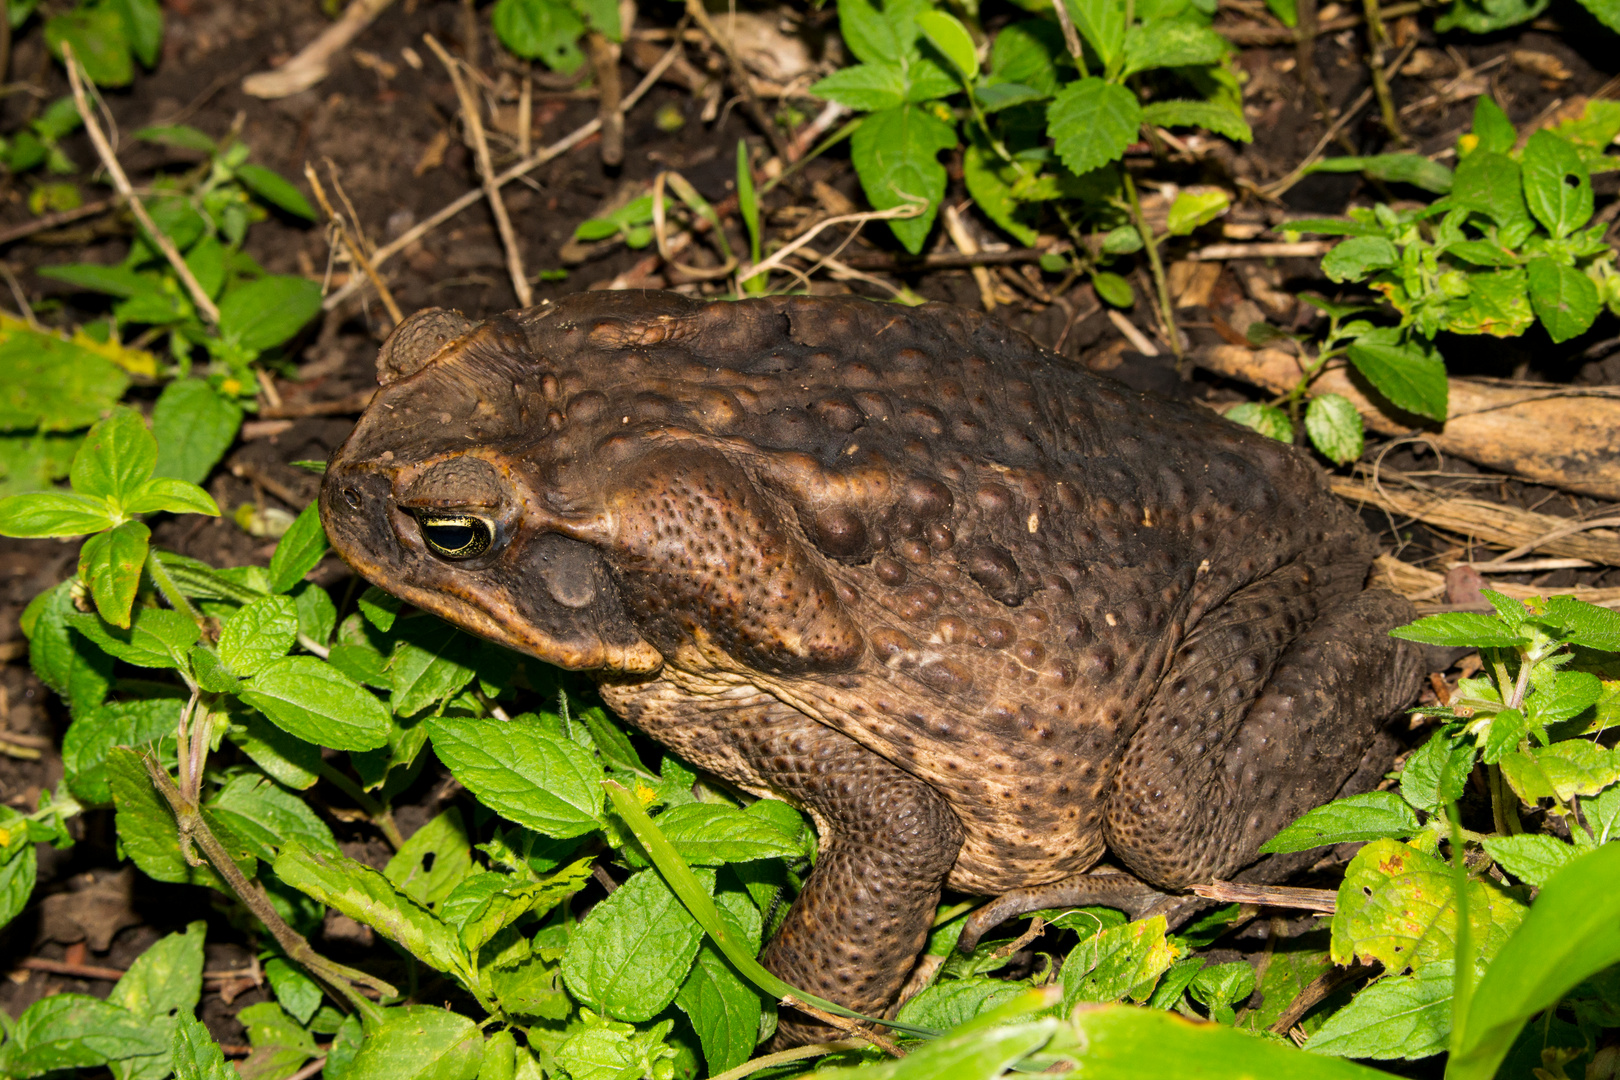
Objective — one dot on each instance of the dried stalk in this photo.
(739, 77)
(109, 160)
(604, 56)
(314, 61)
(492, 190)
(356, 250)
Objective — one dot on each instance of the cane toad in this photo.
(984, 615)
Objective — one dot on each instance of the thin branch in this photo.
(492, 190)
(314, 61)
(604, 56)
(357, 253)
(909, 210)
(104, 150)
(52, 220)
(1236, 892)
(739, 77)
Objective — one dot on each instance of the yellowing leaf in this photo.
(135, 361)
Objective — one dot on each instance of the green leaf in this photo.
(1496, 303)
(140, 724)
(1398, 1017)
(982, 173)
(1571, 933)
(947, 34)
(181, 136)
(290, 761)
(1092, 122)
(34, 460)
(1492, 127)
(258, 634)
(1213, 116)
(312, 700)
(540, 30)
(1190, 209)
(116, 458)
(712, 834)
(1359, 256)
(96, 36)
(1461, 629)
(303, 545)
(147, 832)
(1120, 962)
(1414, 169)
(143, 27)
(365, 896)
(724, 1010)
(77, 1031)
(1565, 300)
(1166, 43)
(1437, 771)
(632, 952)
(433, 861)
(196, 1055)
(1488, 182)
(1530, 857)
(1025, 54)
(63, 661)
(1268, 420)
(163, 985)
(1374, 815)
(275, 190)
(895, 153)
(1118, 1039)
(1334, 425)
(54, 385)
(110, 564)
(419, 1042)
(165, 493)
(869, 35)
(267, 818)
(954, 1002)
(1222, 986)
(523, 772)
(602, 1049)
(1581, 623)
(517, 899)
(112, 280)
(17, 877)
(156, 637)
(265, 312)
(379, 608)
(194, 425)
(426, 667)
(1562, 770)
(1102, 22)
(1412, 376)
(298, 993)
(1488, 16)
(1556, 184)
(865, 87)
(52, 513)
(280, 1044)
(1563, 698)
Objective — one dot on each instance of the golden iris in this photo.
(455, 536)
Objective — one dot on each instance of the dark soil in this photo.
(381, 122)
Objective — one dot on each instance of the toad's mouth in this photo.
(545, 595)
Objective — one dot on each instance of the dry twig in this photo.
(739, 77)
(357, 251)
(98, 138)
(53, 219)
(314, 62)
(1237, 892)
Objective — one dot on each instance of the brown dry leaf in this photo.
(93, 910)
(1191, 283)
(1543, 64)
(432, 154)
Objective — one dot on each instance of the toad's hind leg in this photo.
(1267, 711)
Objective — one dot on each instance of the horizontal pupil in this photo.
(451, 537)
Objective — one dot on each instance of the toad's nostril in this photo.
(352, 497)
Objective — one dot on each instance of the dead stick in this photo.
(356, 252)
(1318, 989)
(605, 62)
(314, 61)
(492, 191)
(104, 150)
(343, 406)
(740, 77)
(52, 220)
(540, 157)
(1236, 892)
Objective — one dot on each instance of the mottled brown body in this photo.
(983, 614)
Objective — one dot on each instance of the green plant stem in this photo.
(1463, 973)
(1377, 38)
(784, 1057)
(171, 592)
(194, 830)
(380, 815)
(1167, 318)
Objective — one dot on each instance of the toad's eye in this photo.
(455, 536)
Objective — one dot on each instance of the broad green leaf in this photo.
(96, 36)
(1359, 256)
(530, 988)
(724, 1010)
(1571, 933)
(1334, 425)
(1171, 43)
(1581, 623)
(303, 545)
(77, 1031)
(1221, 986)
(288, 760)
(1118, 1039)
(523, 772)
(865, 87)
(34, 461)
(954, 1002)
(1556, 184)
(296, 992)
(121, 281)
(1531, 857)
(52, 384)
(1398, 1017)
(427, 666)
(713, 834)
(155, 637)
(433, 861)
(110, 565)
(982, 172)
(1113, 289)
(947, 34)
(517, 899)
(1025, 53)
(1268, 420)
(1488, 16)
(1488, 181)
(1374, 815)
(365, 896)
(52, 513)
(147, 831)
(143, 27)
(994, 97)
(896, 154)
(1565, 300)
(1496, 304)
(1461, 629)
(1564, 697)
(267, 818)
(163, 986)
(1399, 906)
(317, 615)
(275, 190)
(1210, 115)
(1102, 22)
(65, 662)
(17, 878)
(140, 724)
(1564, 769)
(166, 494)
(631, 954)
(280, 1044)
(258, 634)
(1092, 122)
(1414, 169)
(265, 312)
(1120, 962)
(116, 458)
(196, 1055)
(1411, 375)
(194, 425)
(1437, 771)
(1191, 209)
(603, 1049)
(379, 608)
(419, 1042)
(1492, 128)
(542, 30)
(181, 136)
(314, 701)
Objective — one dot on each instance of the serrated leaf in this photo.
(1359, 256)
(194, 425)
(1091, 123)
(196, 1055)
(116, 457)
(1371, 816)
(1210, 115)
(301, 548)
(1411, 375)
(265, 312)
(1581, 623)
(896, 153)
(713, 834)
(631, 954)
(267, 818)
(311, 700)
(1562, 770)
(435, 859)
(143, 724)
(419, 1042)
(1268, 420)
(1165, 43)
(155, 637)
(1334, 427)
(1565, 300)
(62, 660)
(1117, 963)
(70, 1031)
(865, 87)
(1461, 629)
(110, 565)
(257, 634)
(523, 772)
(1530, 857)
(1102, 22)
(1488, 181)
(1437, 771)
(1557, 187)
(1403, 1017)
